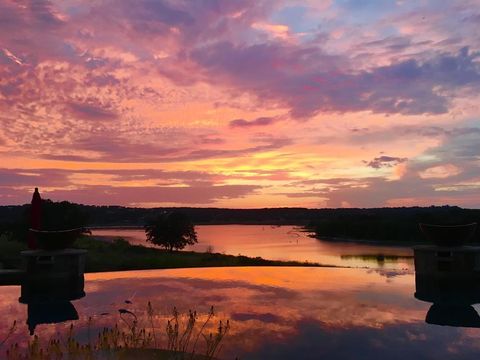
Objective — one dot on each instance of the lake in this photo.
(274, 313)
(283, 243)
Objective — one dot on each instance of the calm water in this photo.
(284, 243)
(287, 313)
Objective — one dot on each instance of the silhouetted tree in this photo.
(171, 231)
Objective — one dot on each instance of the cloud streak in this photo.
(261, 121)
(385, 161)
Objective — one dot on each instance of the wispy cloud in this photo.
(385, 161)
(261, 121)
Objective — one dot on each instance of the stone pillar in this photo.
(53, 274)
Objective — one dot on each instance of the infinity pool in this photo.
(275, 313)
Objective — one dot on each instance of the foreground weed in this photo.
(10, 332)
(129, 335)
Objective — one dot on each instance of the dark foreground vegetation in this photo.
(191, 336)
(120, 255)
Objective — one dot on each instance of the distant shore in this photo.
(139, 227)
(368, 241)
(110, 238)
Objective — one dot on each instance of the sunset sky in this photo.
(242, 104)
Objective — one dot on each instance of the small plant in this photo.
(213, 340)
(209, 249)
(10, 332)
(150, 314)
(182, 337)
(179, 341)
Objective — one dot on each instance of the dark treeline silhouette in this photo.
(54, 216)
(99, 216)
(389, 224)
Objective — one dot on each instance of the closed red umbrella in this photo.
(35, 218)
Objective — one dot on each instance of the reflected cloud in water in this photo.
(51, 312)
(283, 313)
(463, 315)
(381, 260)
(49, 302)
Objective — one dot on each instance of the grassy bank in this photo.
(10, 253)
(120, 255)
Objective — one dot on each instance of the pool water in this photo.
(274, 313)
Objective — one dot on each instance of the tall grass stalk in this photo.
(111, 341)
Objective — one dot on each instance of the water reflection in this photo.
(49, 302)
(452, 289)
(380, 259)
(462, 315)
(49, 312)
(276, 313)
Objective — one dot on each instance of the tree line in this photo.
(168, 229)
(385, 224)
(389, 224)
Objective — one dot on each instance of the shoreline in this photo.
(140, 227)
(406, 244)
(119, 255)
(301, 228)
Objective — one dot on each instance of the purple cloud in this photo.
(185, 187)
(310, 81)
(111, 195)
(61, 177)
(115, 148)
(261, 121)
(91, 111)
(33, 177)
(206, 140)
(385, 161)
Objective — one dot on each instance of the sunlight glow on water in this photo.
(283, 243)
